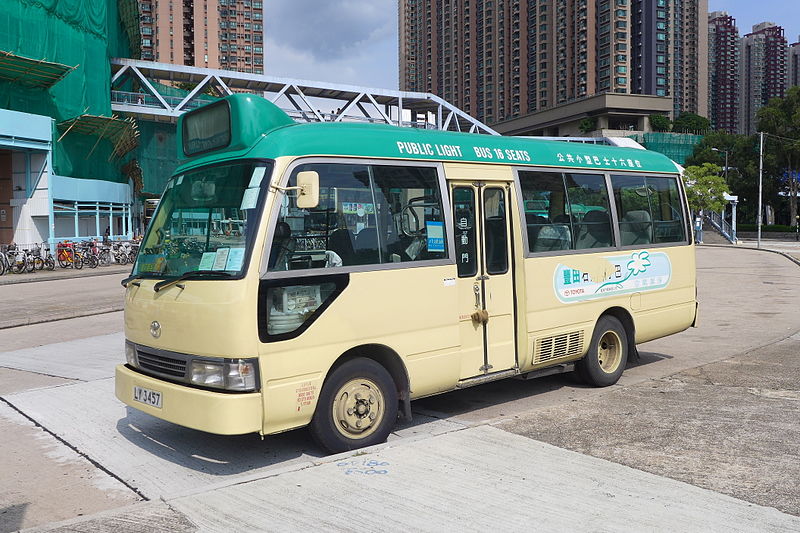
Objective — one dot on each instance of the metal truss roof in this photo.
(303, 100)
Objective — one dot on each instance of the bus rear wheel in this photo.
(357, 407)
(608, 354)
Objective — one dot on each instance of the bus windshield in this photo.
(206, 221)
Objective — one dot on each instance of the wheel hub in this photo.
(358, 408)
(609, 352)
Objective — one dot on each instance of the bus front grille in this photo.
(161, 364)
(557, 346)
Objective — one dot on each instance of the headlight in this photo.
(229, 374)
(130, 355)
(208, 374)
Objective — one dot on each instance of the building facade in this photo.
(224, 34)
(762, 72)
(723, 72)
(502, 59)
(793, 71)
(62, 153)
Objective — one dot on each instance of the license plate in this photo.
(147, 396)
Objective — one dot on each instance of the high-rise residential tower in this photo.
(723, 72)
(226, 34)
(762, 70)
(502, 59)
(794, 64)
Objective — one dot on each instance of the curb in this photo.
(4, 280)
(55, 318)
(740, 247)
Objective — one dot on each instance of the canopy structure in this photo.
(31, 72)
(122, 133)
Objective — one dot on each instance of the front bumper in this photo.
(213, 412)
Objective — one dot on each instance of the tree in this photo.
(705, 188)
(588, 124)
(660, 122)
(742, 168)
(690, 123)
(781, 118)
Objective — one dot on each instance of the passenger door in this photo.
(485, 282)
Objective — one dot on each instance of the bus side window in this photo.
(649, 210)
(464, 221)
(547, 212)
(588, 198)
(367, 215)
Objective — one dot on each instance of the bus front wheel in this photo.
(357, 407)
(608, 354)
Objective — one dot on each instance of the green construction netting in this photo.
(80, 33)
(128, 16)
(156, 155)
(70, 157)
(676, 146)
(71, 32)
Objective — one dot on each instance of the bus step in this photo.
(558, 369)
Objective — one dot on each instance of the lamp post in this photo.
(725, 174)
(725, 170)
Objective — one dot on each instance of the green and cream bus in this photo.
(327, 274)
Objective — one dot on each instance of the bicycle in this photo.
(88, 255)
(48, 260)
(34, 257)
(17, 259)
(104, 256)
(4, 265)
(67, 256)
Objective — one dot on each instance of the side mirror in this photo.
(308, 195)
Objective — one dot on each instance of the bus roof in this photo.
(277, 135)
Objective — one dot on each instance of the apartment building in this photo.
(503, 59)
(225, 34)
(723, 72)
(762, 72)
(794, 64)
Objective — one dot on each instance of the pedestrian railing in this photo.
(722, 225)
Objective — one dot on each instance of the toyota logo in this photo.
(155, 329)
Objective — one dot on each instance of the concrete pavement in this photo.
(47, 301)
(62, 273)
(712, 407)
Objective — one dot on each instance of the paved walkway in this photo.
(70, 297)
(62, 273)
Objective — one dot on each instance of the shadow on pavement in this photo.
(216, 455)
(11, 517)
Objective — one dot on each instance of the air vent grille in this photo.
(557, 346)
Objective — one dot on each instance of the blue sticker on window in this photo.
(435, 236)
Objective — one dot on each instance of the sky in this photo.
(351, 42)
(785, 13)
(354, 42)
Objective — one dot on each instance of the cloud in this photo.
(352, 42)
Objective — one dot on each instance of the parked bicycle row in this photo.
(69, 254)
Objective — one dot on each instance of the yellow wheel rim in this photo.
(358, 408)
(609, 352)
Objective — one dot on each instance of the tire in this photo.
(19, 265)
(49, 263)
(30, 264)
(77, 261)
(104, 259)
(608, 354)
(352, 393)
(38, 263)
(92, 261)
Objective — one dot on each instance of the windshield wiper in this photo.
(191, 274)
(130, 280)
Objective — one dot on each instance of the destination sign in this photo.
(206, 129)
